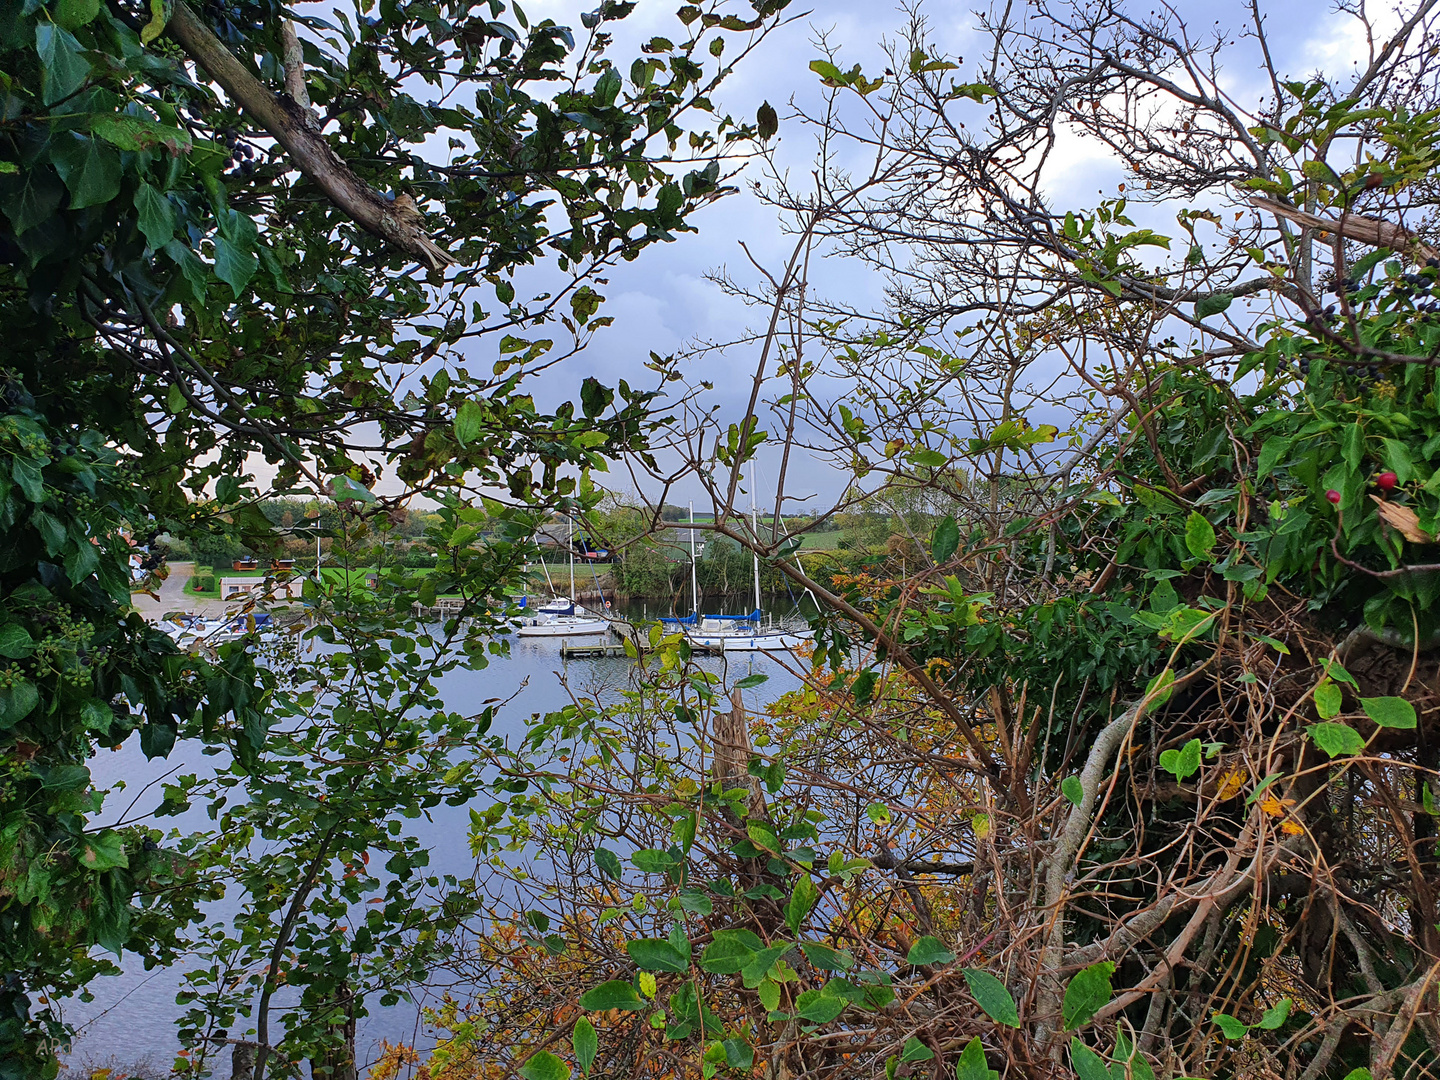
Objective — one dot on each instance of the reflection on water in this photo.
(133, 1014)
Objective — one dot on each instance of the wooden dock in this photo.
(585, 652)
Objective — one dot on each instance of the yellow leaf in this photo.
(1232, 783)
(1275, 807)
(1291, 827)
(647, 983)
(981, 824)
(1402, 519)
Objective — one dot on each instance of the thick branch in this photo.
(1365, 230)
(292, 127)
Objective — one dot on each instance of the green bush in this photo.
(201, 583)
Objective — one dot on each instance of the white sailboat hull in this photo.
(760, 641)
(564, 627)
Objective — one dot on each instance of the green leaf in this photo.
(929, 950)
(156, 26)
(1275, 1016)
(545, 1066)
(469, 422)
(585, 1042)
(738, 1053)
(1390, 712)
(915, 1050)
(930, 459)
(1271, 452)
(1199, 535)
(137, 133)
(73, 14)
(751, 681)
(769, 995)
(657, 954)
(1328, 699)
(1087, 993)
(762, 835)
(17, 702)
(863, 688)
(766, 122)
(15, 642)
(801, 902)
(157, 216)
(1131, 1064)
(103, 852)
(1183, 763)
(1073, 790)
(827, 959)
(33, 198)
(1087, 1063)
(614, 994)
(819, 1006)
(729, 952)
(342, 488)
(63, 69)
(1230, 1027)
(90, 169)
(1213, 304)
(234, 264)
(992, 997)
(972, 1065)
(1337, 739)
(608, 863)
(945, 541)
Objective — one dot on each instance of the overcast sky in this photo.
(663, 301)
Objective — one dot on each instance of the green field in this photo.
(821, 541)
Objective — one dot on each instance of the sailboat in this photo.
(563, 617)
(736, 633)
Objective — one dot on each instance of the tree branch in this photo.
(293, 127)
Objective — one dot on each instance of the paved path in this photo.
(174, 598)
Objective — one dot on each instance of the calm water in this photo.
(133, 1014)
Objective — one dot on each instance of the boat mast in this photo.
(755, 528)
(694, 578)
(569, 543)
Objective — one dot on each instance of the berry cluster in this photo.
(240, 156)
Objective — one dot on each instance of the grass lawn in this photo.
(821, 541)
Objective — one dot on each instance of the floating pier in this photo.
(579, 652)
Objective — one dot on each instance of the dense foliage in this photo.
(244, 242)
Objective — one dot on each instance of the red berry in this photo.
(1387, 481)
(1333, 496)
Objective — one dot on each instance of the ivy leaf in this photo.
(63, 69)
(825, 958)
(586, 1043)
(1073, 790)
(1337, 740)
(614, 994)
(16, 703)
(73, 14)
(1390, 712)
(545, 1066)
(1199, 535)
(16, 642)
(33, 198)
(234, 264)
(1087, 993)
(929, 950)
(946, 540)
(992, 996)
(157, 216)
(90, 169)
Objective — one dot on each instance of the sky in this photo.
(663, 301)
